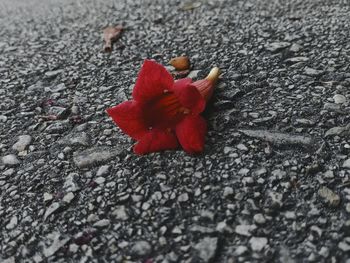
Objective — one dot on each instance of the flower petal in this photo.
(156, 140)
(151, 82)
(191, 133)
(129, 117)
(188, 95)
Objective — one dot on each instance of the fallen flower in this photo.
(165, 113)
(111, 34)
(180, 63)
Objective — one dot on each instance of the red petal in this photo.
(205, 88)
(151, 82)
(156, 140)
(188, 95)
(191, 133)
(128, 116)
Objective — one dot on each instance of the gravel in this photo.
(272, 184)
(206, 248)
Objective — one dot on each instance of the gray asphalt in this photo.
(273, 182)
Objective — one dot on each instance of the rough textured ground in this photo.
(71, 190)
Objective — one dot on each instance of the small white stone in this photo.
(102, 223)
(290, 215)
(346, 163)
(228, 149)
(258, 243)
(259, 219)
(120, 213)
(10, 160)
(240, 250)
(47, 197)
(100, 180)
(339, 99)
(68, 197)
(242, 147)
(22, 143)
(344, 246)
(228, 191)
(103, 170)
(245, 230)
(13, 223)
(183, 198)
(73, 248)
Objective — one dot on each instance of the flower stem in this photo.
(214, 75)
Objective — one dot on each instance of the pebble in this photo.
(57, 243)
(22, 143)
(324, 252)
(120, 213)
(10, 160)
(94, 156)
(183, 198)
(328, 174)
(304, 122)
(242, 147)
(193, 74)
(3, 118)
(102, 223)
(295, 47)
(339, 99)
(222, 227)
(8, 260)
(339, 130)
(47, 197)
(68, 197)
(100, 180)
(347, 208)
(73, 248)
(57, 88)
(275, 200)
(346, 163)
(141, 248)
(13, 223)
(103, 170)
(290, 215)
(70, 183)
(245, 230)
(259, 219)
(279, 138)
(53, 73)
(228, 149)
(344, 246)
(51, 209)
(206, 248)
(276, 46)
(329, 197)
(59, 112)
(79, 139)
(297, 59)
(228, 191)
(258, 243)
(240, 250)
(312, 72)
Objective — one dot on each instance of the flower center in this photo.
(165, 112)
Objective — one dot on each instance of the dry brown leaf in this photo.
(110, 35)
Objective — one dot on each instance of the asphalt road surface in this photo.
(272, 184)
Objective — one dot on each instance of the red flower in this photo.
(164, 112)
